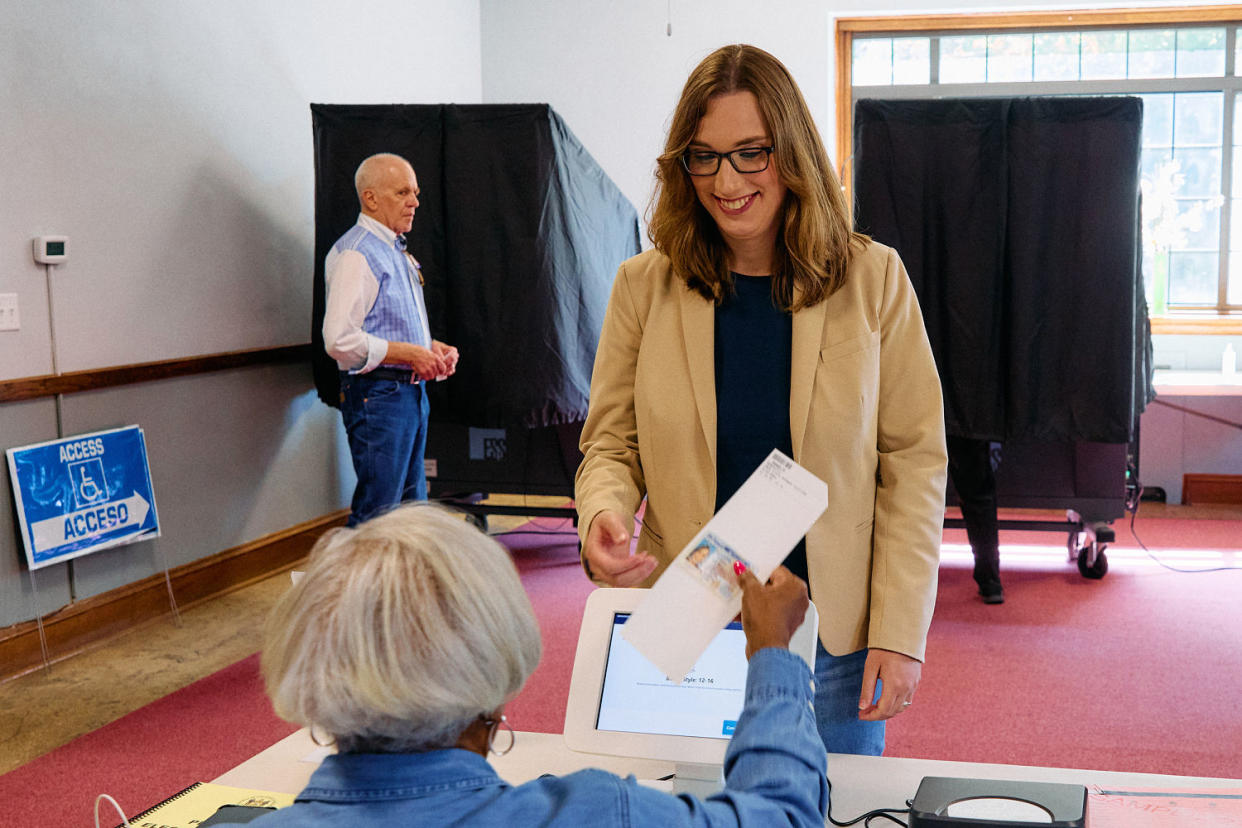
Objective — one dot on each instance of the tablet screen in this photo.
(637, 698)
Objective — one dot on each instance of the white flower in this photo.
(1166, 219)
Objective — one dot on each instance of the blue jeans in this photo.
(838, 684)
(387, 426)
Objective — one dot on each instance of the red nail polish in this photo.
(738, 567)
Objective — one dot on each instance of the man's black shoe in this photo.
(992, 594)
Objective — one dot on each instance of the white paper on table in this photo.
(320, 753)
(698, 593)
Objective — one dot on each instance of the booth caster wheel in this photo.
(1092, 569)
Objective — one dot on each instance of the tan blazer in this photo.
(866, 416)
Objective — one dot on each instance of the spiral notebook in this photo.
(198, 802)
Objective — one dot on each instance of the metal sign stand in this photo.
(60, 434)
(172, 601)
(34, 600)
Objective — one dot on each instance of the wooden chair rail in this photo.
(49, 385)
(92, 621)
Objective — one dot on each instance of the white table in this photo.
(1197, 384)
(859, 783)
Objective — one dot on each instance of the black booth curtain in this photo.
(519, 234)
(1018, 220)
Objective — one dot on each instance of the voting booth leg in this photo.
(34, 597)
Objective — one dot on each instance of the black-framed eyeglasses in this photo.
(744, 160)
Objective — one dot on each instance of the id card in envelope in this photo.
(699, 593)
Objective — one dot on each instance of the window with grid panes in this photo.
(1187, 77)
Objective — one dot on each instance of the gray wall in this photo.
(170, 140)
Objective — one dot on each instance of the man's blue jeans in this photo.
(386, 422)
(838, 683)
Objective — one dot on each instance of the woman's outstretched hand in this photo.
(607, 553)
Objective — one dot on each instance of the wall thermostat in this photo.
(51, 249)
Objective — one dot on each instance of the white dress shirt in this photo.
(351, 291)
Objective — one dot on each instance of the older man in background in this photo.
(375, 327)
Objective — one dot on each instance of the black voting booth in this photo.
(1018, 221)
(519, 233)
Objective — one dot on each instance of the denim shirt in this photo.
(774, 774)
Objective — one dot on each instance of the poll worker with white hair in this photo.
(375, 327)
(409, 634)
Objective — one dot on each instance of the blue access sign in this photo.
(81, 494)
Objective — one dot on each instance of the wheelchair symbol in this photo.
(89, 485)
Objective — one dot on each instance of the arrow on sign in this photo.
(91, 522)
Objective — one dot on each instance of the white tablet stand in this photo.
(652, 722)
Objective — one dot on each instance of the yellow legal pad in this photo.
(198, 802)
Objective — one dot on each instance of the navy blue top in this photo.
(754, 350)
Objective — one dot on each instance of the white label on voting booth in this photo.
(698, 593)
(82, 494)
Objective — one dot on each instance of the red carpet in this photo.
(1138, 671)
(194, 734)
(558, 590)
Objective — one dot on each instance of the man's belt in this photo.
(402, 375)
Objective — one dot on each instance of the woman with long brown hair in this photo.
(761, 320)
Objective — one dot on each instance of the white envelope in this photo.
(698, 593)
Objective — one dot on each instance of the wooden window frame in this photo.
(848, 27)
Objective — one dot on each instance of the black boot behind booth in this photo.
(1018, 220)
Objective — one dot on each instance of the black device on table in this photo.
(230, 814)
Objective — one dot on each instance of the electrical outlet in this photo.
(9, 320)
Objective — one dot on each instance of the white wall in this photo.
(171, 141)
(611, 70)
(614, 75)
